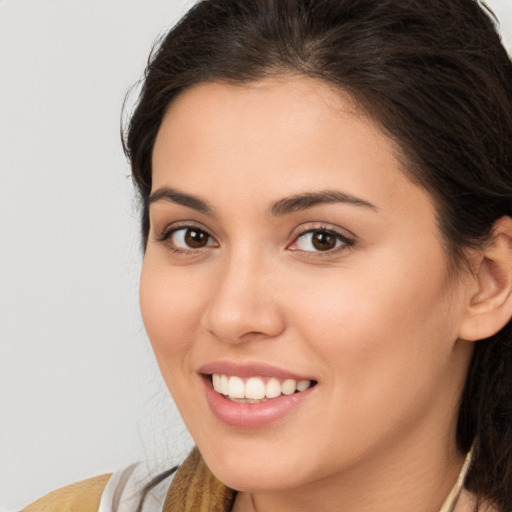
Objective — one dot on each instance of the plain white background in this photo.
(80, 393)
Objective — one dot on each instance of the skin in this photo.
(376, 322)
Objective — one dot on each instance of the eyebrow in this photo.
(285, 206)
(172, 195)
(307, 200)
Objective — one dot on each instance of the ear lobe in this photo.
(489, 308)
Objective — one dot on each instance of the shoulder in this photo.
(123, 491)
(83, 496)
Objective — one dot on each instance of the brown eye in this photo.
(196, 238)
(323, 241)
(320, 240)
(190, 238)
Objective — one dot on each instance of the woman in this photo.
(326, 193)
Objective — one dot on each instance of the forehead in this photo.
(275, 137)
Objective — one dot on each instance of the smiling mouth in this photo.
(256, 390)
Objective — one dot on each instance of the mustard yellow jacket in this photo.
(193, 489)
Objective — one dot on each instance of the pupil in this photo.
(323, 241)
(195, 238)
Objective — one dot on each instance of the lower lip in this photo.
(244, 415)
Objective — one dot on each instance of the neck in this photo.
(423, 475)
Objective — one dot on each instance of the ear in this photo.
(489, 306)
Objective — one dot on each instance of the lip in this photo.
(247, 370)
(244, 415)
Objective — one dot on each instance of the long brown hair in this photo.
(436, 77)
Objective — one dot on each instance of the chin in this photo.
(245, 472)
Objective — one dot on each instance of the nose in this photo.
(244, 304)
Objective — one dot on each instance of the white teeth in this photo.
(224, 385)
(255, 389)
(273, 388)
(236, 388)
(288, 387)
(302, 385)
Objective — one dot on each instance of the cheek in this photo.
(170, 310)
(383, 327)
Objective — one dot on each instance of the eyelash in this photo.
(167, 233)
(346, 242)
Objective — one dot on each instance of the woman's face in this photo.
(290, 257)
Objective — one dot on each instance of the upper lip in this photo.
(249, 369)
